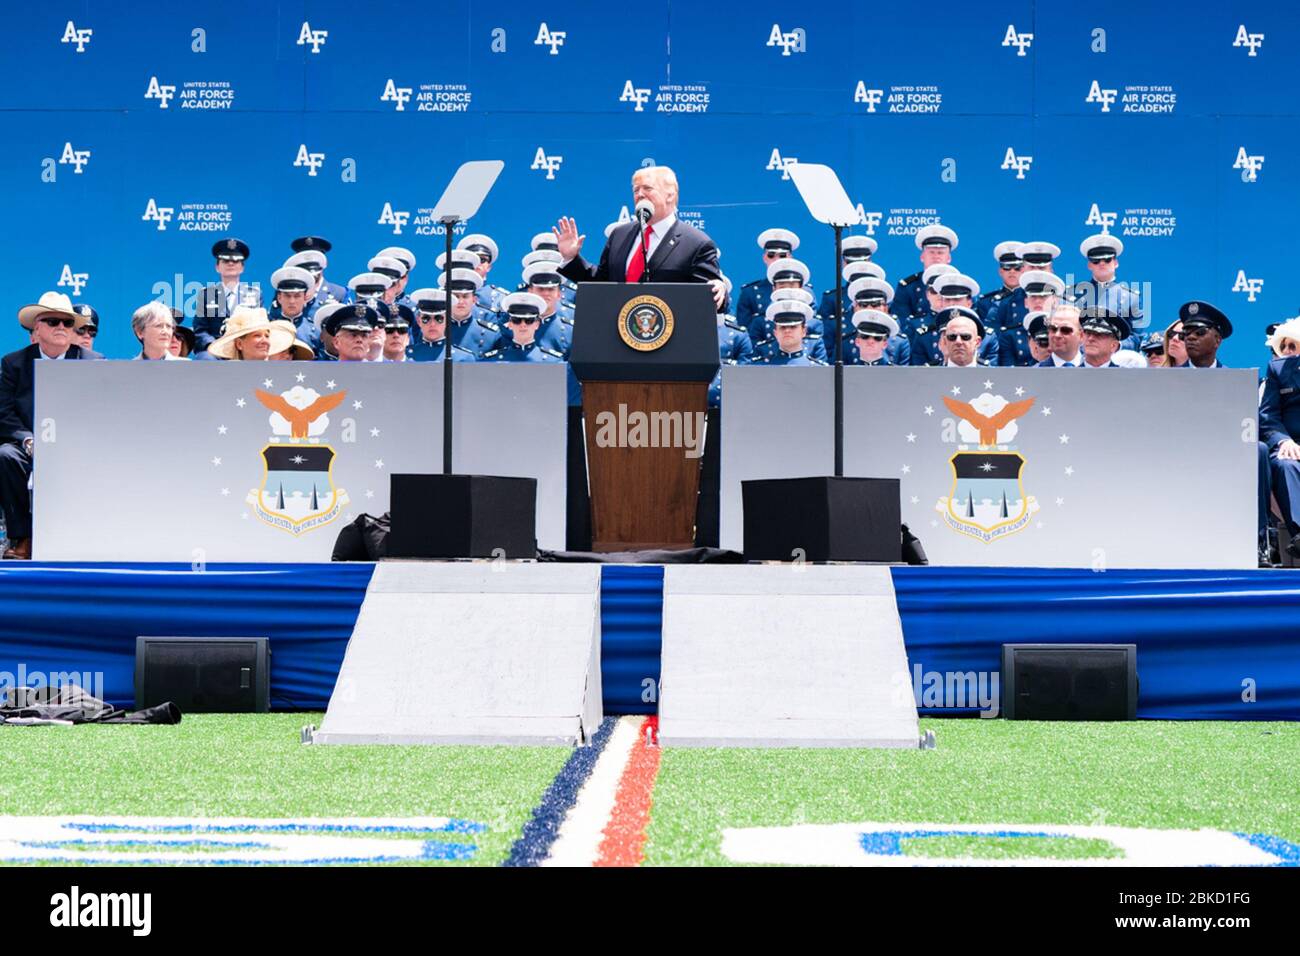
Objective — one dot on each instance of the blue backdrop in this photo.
(1005, 120)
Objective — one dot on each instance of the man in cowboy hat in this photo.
(51, 322)
(251, 336)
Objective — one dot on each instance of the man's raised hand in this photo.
(567, 239)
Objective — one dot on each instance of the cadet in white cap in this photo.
(870, 294)
(328, 290)
(1008, 316)
(1102, 291)
(853, 250)
(873, 329)
(1036, 331)
(486, 253)
(756, 294)
(949, 290)
(314, 262)
(1037, 292)
(789, 318)
(396, 270)
(430, 335)
(369, 285)
(547, 241)
(522, 312)
(936, 244)
(294, 302)
(1007, 256)
(472, 327)
(555, 322)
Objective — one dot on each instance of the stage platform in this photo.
(1212, 645)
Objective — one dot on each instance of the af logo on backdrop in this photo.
(1021, 41)
(781, 164)
(638, 95)
(793, 41)
(1104, 97)
(76, 281)
(311, 161)
(1251, 41)
(549, 163)
(399, 96)
(389, 216)
(552, 38)
(1249, 165)
(313, 38)
(81, 38)
(871, 98)
(159, 214)
(1252, 287)
(1020, 164)
(76, 158)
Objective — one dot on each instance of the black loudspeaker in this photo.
(462, 516)
(204, 675)
(1069, 681)
(823, 519)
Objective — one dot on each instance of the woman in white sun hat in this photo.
(250, 335)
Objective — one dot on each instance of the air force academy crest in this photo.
(297, 493)
(987, 499)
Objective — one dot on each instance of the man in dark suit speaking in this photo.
(678, 252)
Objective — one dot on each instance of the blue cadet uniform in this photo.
(874, 324)
(1279, 422)
(360, 316)
(920, 322)
(1199, 320)
(1112, 296)
(556, 329)
(1035, 331)
(853, 250)
(944, 316)
(431, 316)
(857, 269)
(397, 322)
(1009, 316)
(1009, 262)
(784, 274)
(786, 313)
(484, 250)
(870, 293)
(217, 301)
(523, 310)
(546, 241)
(734, 348)
(814, 343)
(295, 279)
(395, 269)
(950, 287)
(477, 332)
(1101, 322)
(909, 296)
(328, 290)
(756, 295)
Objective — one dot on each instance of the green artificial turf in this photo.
(253, 765)
(1231, 776)
(1009, 848)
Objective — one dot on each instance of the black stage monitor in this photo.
(1069, 681)
(214, 675)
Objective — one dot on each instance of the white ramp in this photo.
(471, 653)
(784, 656)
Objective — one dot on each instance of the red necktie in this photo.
(636, 267)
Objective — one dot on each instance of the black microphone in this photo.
(644, 210)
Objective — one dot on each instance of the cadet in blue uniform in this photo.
(949, 290)
(785, 274)
(960, 332)
(1010, 265)
(220, 299)
(293, 303)
(734, 348)
(485, 253)
(555, 329)
(813, 344)
(472, 328)
(523, 311)
(547, 241)
(1102, 291)
(789, 318)
(1039, 343)
(352, 328)
(396, 270)
(1039, 291)
(1279, 429)
(1204, 329)
(937, 244)
(1102, 333)
(757, 294)
(853, 250)
(327, 289)
(870, 293)
(874, 328)
(430, 336)
(314, 263)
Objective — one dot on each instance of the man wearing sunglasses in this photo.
(430, 337)
(542, 278)
(1102, 252)
(51, 322)
(936, 244)
(755, 296)
(1039, 342)
(960, 333)
(1064, 337)
(855, 251)
(1102, 334)
(523, 315)
(1204, 329)
(84, 335)
(873, 329)
(1153, 349)
(1007, 255)
(220, 299)
(871, 294)
(1039, 291)
(951, 290)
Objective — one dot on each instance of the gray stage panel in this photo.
(471, 653)
(783, 656)
(1109, 460)
(173, 453)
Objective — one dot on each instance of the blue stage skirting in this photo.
(1204, 638)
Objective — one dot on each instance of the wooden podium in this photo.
(645, 355)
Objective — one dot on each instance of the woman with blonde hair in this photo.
(1175, 346)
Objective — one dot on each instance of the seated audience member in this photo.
(485, 250)
(51, 322)
(1204, 329)
(1279, 427)
(1175, 346)
(789, 322)
(870, 293)
(1036, 337)
(220, 299)
(250, 336)
(960, 332)
(1153, 348)
(1063, 338)
(327, 351)
(397, 333)
(430, 336)
(523, 311)
(84, 336)
(298, 350)
(1102, 334)
(155, 328)
(182, 338)
(874, 328)
(352, 328)
(471, 327)
(1284, 338)
(295, 300)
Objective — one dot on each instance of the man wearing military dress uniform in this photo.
(548, 242)
(853, 250)
(757, 294)
(873, 328)
(555, 327)
(1010, 265)
(396, 270)
(1039, 291)
(1279, 429)
(1039, 341)
(484, 250)
(937, 244)
(1102, 291)
(814, 345)
(84, 336)
(871, 294)
(1102, 333)
(326, 290)
(1153, 349)
(949, 290)
(783, 273)
(314, 263)
(472, 327)
(352, 328)
(407, 259)
(1204, 329)
(734, 348)
(789, 318)
(430, 336)
(523, 313)
(220, 299)
(294, 303)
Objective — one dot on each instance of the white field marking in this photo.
(583, 829)
(840, 844)
(232, 840)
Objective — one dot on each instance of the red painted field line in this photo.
(624, 840)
